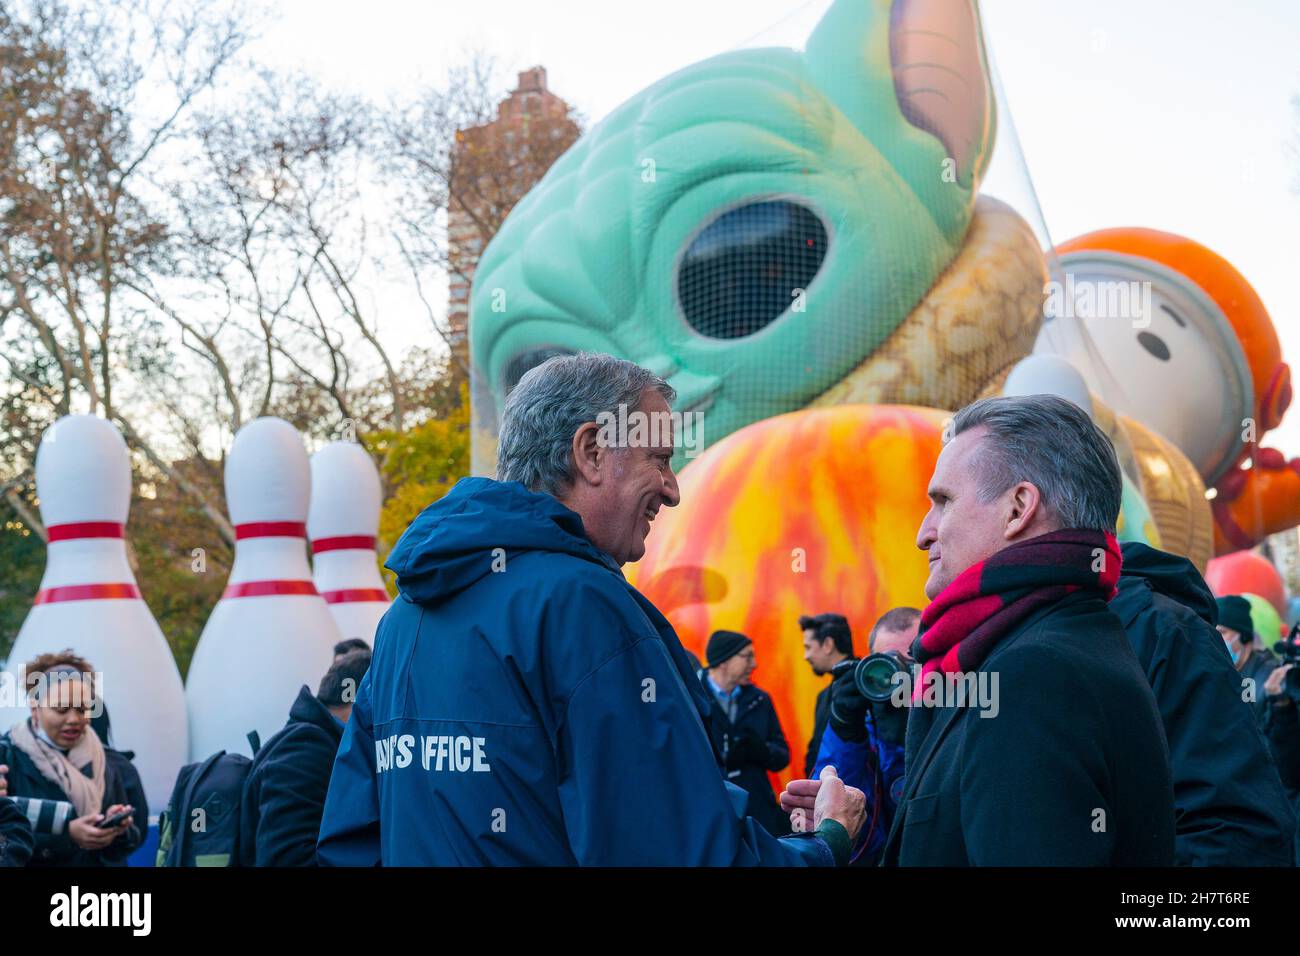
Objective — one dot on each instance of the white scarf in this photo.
(65, 770)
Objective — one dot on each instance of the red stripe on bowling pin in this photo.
(86, 592)
(268, 588)
(344, 543)
(83, 529)
(349, 595)
(270, 529)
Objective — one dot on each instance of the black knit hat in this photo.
(1234, 612)
(723, 646)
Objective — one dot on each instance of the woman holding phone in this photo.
(60, 774)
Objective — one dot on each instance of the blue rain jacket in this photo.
(526, 705)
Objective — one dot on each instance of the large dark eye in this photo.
(524, 361)
(742, 271)
(1154, 344)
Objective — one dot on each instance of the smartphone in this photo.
(109, 822)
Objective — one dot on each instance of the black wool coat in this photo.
(1072, 770)
(755, 720)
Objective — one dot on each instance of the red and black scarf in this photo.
(986, 601)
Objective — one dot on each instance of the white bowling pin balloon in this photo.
(88, 601)
(343, 524)
(271, 632)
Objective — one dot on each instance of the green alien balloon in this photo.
(753, 226)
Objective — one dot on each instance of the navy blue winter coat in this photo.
(526, 705)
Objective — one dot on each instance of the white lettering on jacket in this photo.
(438, 753)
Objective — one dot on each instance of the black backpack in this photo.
(200, 826)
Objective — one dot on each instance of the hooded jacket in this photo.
(1230, 809)
(526, 705)
(284, 794)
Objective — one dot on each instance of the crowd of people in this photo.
(1061, 699)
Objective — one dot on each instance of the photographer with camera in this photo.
(1282, 722)
(866, 725)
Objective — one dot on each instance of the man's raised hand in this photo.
(834, 801)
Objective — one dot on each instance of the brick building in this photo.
(492, 167)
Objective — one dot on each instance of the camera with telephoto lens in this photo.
(874, 675)
(1289, 650)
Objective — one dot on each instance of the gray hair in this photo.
(552, 401)
(1052, 444)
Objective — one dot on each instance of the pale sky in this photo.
(1171, 114)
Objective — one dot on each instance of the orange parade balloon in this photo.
(805, 513)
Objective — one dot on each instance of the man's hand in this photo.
(798, 799)
(847, 806)
(4, 782)
(1275, 686)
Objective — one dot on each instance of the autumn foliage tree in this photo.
(189, 240)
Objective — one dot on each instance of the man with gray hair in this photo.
(1034, 738)
(525, 704)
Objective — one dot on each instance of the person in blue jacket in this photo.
(525, 704)
(864, 740)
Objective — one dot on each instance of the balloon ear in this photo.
(941, 80)
(1276, 398)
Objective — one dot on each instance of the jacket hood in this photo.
(453, 543)
(307, 709)
(1168, 574)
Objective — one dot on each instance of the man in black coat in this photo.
(1230, 806)
(827, 641)
(284, 796)
(747, 737)
(1061, 759)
